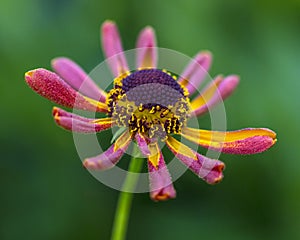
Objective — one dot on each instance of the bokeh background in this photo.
(45, 192)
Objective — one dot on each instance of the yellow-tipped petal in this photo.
(244, 141)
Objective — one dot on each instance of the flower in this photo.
(152, 105)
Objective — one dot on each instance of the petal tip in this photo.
(204, 58)
(233, 79)
(57, 60)
(217, 180)
(56, 117)
(108, 21)
(107, 25)
(55, 111)
(56, 114)
(215, 174)
(149, 30)
(29, 73)
(271, 138)
(206, 54)
(163, 194)
(214, 180)
(30, 77)
(162, 197)
(89, 164)
(271, 134)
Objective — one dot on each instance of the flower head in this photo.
(152, 105)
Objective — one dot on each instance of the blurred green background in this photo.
(45, 192)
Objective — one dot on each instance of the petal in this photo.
(146, 49)
(111, 156)
(142, 143)
(76, 123)
(216, 92)
(210, 170)
(244, 141)
(196, 71)
(51, 86)
(77, 78)
(161, 187)
(112, 47)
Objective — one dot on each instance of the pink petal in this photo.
(251, 145)
(221, 90)
(194, 74)
(111, 156)
(161, 186)
(146, 49)
(76, 123)
(244, 141)
(210, 170)
(77, 78)
(112, 47)
(51, 86)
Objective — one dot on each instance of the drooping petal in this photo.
(194, 74)
(214, 93)
(51, 86)
(146, 49)
(161, 187)
(244, 141)
(210, 170)
(76, 123)
(77, 78)
(111, 156)
(112, 47)
(142, 143)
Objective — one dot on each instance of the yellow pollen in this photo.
(150, 119)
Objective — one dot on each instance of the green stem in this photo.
(125, 199)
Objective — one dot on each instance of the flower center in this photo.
(149, 101)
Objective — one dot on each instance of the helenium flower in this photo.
(148, 114)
